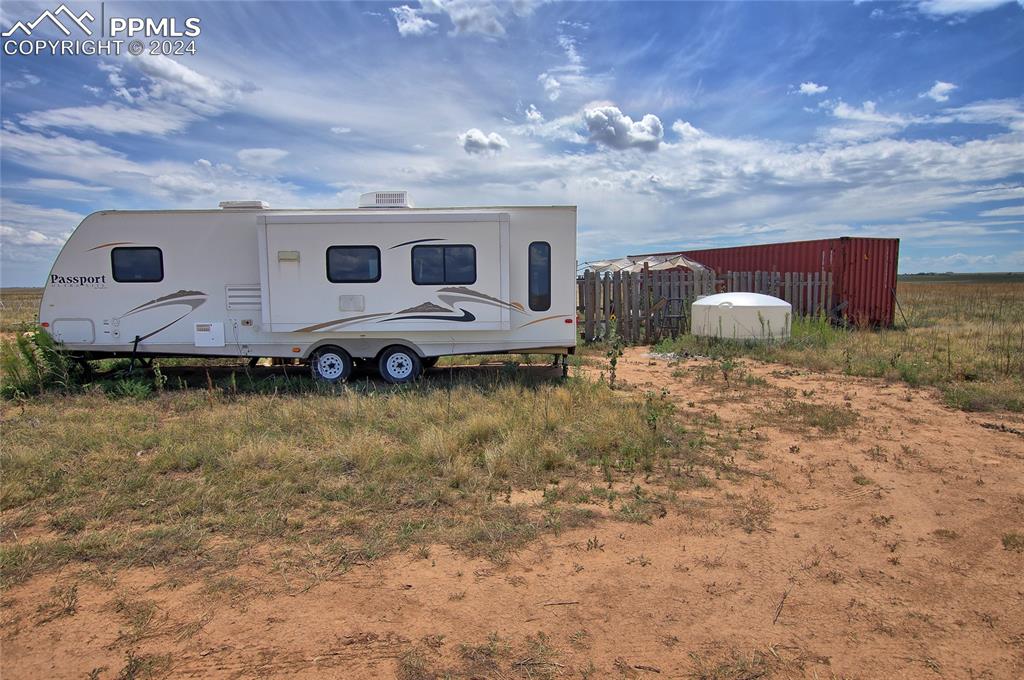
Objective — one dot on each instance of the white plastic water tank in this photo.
(741, 316)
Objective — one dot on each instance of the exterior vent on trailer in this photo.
(244, 205)
(385, 199)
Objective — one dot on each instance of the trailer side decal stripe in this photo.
(115, 243)
(336, 322)
(545, 318)
(466, 316)
(173, 298)
(422, 240)
(149, 335)
(462, 290)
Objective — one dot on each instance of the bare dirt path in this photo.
(863, 540)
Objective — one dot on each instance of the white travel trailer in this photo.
(383, 283)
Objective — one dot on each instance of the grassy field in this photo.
(19, 307)
(964, 336)
(187, 455)
(191, 477)
(153, 511)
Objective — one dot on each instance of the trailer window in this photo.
(540, 276)
(137, 265)
(443, 265)
(353, 264)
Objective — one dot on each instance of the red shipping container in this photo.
(863, 270)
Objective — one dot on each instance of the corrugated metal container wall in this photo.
(863, 269)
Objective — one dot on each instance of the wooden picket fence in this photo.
(810, 293)
(644, 307)
(639, 307)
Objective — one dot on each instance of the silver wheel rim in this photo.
(399, 365)
(330, 365)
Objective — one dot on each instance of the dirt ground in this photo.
(872, 551)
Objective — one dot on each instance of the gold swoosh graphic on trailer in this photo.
(115, 243)
(173, 298)
(336, 322)
(544, 318)
(462, 290)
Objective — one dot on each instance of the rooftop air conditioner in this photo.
(385, 199)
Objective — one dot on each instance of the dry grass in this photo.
(19, 307)
(965, 337)
(331, 478)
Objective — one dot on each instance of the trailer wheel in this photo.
(331, 364)
(399, 365)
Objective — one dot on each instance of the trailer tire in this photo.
(399, 365)
(330, 364)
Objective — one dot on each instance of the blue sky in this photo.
(671, 125)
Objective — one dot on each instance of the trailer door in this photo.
(356, 273)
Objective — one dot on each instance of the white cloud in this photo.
(113, 72)
(609, 126)
(686, 131)
(552, 88)
(811, 88)
(939, 91)
(157, 182)
(113, 119)
(341, 130)
(47, 219)
(34, 227)
(480, 17)
(944, 8)
(864, 122)
(60, 186)
(468, 17)
(1006, 112)
(571, 76)
(1008, 211)
(411, 22)
(168, 99)
(12, 236)
(568, 44)
(533, 115)
(475, 141)
(260, 158)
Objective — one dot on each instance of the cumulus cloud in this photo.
(609, 126)
(411, 22)
(686, 131)
(475, 141)
(338, 130)
(533, 115)
(939, 91)
(260, 158)
(812, 88)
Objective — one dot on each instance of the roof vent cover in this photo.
(385, 199)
